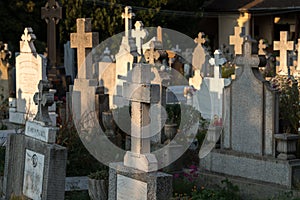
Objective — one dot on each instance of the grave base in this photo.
(248, 189)
(54, 172)
(21, 118)
(285, 173)
(148, 186)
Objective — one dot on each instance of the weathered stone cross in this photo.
(43, 99)
(237, 39)
(247, 59)
(151, 55)
(200, 39)
(52, 13)
(27, 38)
(283, 46)
(261, 47)
(84, 40)
(217, 61)
(139, 34)
(128, 15)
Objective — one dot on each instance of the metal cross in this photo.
(52, 13)
(128, 15)
(139, 34)
(237, 39)
(84, 40)
(151, 55)
(43, 99)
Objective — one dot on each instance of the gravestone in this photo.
(283, 46)
(250, 124)
(215, 87)
(161, 78)
(5, 54)
(35, 166)
(30, 68)
(201, 56)
(137, 178)
(69, 61)
(52, 13)
(86, 83)
(124, 58)
(200, 62)
(107, 70)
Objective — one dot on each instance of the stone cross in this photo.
(237, 39)
(26, 45)
(128, 15)
(283, 46)
(106, 51)
(247, 59)
(298, 58)
(200, 39)
(176, 49)
(139, 34)
(261, 47)
(159, 34)
(84, 40)
(151, 55)
(5, 54)
(217, 61)
(43, 99)
(52, 13)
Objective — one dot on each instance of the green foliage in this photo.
(285, 196)
(228, 191)
(77, 195)
(99, 175)
(289, 110)
(80, 162)
(228, 70)
(2, 160)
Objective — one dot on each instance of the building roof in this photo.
(251, 5)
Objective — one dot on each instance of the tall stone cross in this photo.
(217, 61)
(237, 39)
(26, 45)
(283, 46)
(151, 55)
(43, 99)
(139, 34)
(261, 47)
(84, 40)
(247, 60)
(52, 13)
(127, 16)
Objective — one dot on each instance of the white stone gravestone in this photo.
(30, 68)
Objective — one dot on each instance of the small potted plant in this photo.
(98, 185)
